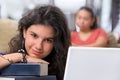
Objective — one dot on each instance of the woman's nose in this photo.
(81, 21)
(39, 44)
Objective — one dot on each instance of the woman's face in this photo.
(84, 20)
(39, 40)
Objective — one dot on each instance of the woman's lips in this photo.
(36, 52)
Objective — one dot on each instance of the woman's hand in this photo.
(35, 60)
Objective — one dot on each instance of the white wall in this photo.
(15, 9)
(70, 5)
(106, 22)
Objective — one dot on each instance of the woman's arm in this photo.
(100, 42)
(7, 59)
(99, 39)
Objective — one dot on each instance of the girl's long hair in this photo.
(53, 16)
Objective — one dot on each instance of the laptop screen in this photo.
(88, 63)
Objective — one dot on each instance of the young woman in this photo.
(89, 35)
(43, 37)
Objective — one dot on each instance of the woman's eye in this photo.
(79, 17)
(34, 35)
(49, 40)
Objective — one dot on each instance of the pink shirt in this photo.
(92, 38)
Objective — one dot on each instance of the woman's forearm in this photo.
(7, 59)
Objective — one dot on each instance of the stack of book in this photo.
(26, 71)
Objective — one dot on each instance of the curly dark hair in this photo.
(95, 25)
(53, 16)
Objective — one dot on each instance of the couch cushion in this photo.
(112, 42)
(8, 29)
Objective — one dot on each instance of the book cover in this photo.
(25, 69)
(52, 77)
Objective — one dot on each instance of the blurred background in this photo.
(107, 11)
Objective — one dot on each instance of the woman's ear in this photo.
(24, 33)
(93, 21)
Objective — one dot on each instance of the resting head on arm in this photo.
(45, 37)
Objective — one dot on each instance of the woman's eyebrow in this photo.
(49, 37)
(32, 32)
(45, 37)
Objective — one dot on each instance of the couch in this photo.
(112, 42)
(8, 28)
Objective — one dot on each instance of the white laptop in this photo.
(88, 63)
